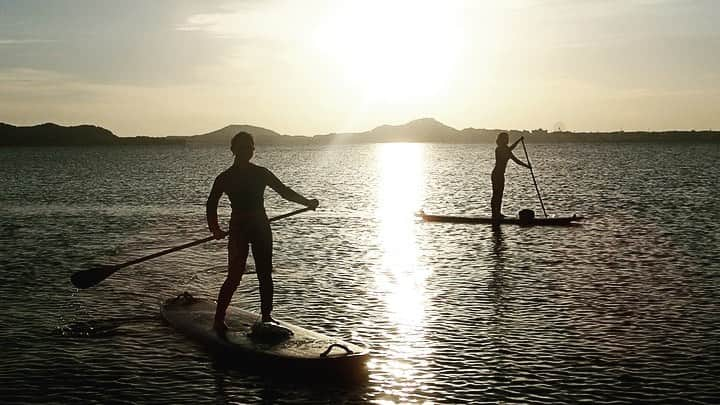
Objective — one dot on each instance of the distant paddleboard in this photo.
(557, 221)
(278, 346)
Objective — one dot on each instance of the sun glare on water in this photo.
(400, 277)
(400, 193)
(393, 51)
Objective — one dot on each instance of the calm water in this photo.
(625, 308)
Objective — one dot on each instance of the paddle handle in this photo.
(198, 242)
(289, 214)
(537, 189)
(164, 252)
(91, 277)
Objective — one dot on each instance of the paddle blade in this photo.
(88, 278)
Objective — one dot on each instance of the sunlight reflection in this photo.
(400, 194)
(401, 278)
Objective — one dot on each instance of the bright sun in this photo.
(393, 51)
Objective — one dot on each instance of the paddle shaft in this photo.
(88, 278)
(533, 177)
(198, 242)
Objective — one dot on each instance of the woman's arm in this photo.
(516, 142)
(518, 161)
(288, 193)
(211, 208)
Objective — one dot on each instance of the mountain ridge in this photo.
(427, 130)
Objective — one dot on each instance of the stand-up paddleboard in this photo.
(278, 347)
(557, 221)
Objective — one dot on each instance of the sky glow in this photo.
(314, 67)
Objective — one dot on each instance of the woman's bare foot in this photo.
(220, 326)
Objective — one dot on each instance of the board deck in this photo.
(304, 349)
(550, 221)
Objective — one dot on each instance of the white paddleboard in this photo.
(281, 346)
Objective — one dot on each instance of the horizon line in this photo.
(373, 128)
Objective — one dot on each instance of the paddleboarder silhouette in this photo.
(503, 153)
(244, 183)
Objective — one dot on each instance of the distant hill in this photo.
(55, 135)
(262, 136)
(80, 135)
(421, 130)
(432, 131)
(626, 136)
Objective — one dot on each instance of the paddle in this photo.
(88, 278)
(533, 177)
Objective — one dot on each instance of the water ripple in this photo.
(622, 309)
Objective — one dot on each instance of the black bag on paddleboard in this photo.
(526, 216)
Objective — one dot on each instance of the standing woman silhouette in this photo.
(244, 183)
(503, 153)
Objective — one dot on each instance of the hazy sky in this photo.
(305, 67)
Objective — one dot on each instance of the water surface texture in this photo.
(624, 308)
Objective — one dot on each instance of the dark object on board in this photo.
(281, 349)
(269, 332)
(556, 221)
(526, 216)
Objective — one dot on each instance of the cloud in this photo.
(32, 95)
(276, 20)
(25, 85)
(25, 41)
(27, 76)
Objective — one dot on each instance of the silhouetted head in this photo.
(242, 146)
(502, 138)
